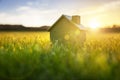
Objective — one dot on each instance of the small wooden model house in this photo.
(68, 29)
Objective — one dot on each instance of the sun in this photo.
(94, 24)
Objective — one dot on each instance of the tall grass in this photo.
(30, 56)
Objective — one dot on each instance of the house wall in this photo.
(64, 31)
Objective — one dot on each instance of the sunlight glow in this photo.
(94, 24)
(66, 37)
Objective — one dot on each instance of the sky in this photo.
(45, 12)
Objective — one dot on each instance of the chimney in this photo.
(76, 19)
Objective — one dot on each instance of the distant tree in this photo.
(116, 26)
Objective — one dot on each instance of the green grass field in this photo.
(31, 56)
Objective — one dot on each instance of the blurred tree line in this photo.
(114, 28)
(8, 27)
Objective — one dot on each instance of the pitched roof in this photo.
(80, 26)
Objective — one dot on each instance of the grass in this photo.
(30, 56)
